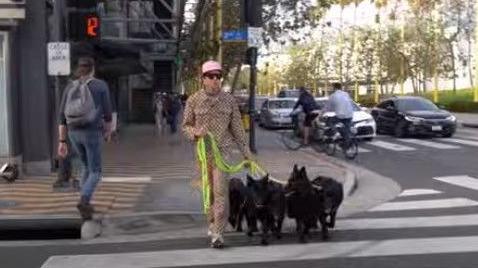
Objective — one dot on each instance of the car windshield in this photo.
(416, 105)
(289, 94)
(322, 103)
(281, 104)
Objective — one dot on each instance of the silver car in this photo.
(275, 112)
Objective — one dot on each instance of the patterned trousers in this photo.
(219, 212)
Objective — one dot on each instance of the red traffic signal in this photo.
(84, 26)
(92, 26)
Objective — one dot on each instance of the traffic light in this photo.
(251, 13)
(83, 20)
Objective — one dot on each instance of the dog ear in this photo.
(303, 172)
(265, 179)
(250, 180)
(296, 169)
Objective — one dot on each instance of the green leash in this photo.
(221, 164)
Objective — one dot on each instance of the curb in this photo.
(351, 181)
(469, 125)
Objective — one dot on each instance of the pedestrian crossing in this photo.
(412, 145)
(37, 197)
(396, 234)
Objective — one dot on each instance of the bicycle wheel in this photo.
(352, 151)
(291, 140)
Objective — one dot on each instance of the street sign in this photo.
(234, 36)
(254, 36)
(59, 58)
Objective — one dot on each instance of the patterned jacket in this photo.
(219, 115)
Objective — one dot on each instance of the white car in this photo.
(275, 112)
(363, 121)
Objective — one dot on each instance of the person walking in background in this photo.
(175, 108)
(158, 112)
(85, 116)
(213, 110)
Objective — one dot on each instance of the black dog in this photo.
(237, 201)
(334, 195)
(265, 203)
(305, 203)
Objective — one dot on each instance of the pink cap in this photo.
(211, 65)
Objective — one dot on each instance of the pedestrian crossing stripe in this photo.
(391, 146)
(415, 192)
(431, 144)
(426, 204)
(460, 141)
(463, 181)
(273, 253)
(407, 222)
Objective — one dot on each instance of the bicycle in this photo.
(292, 139)
(335, 139)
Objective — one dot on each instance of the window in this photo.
(4, 111)
(281, 104)
(416, 105)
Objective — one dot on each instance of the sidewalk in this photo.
(467, 119)
(146, 189)
(169, 206)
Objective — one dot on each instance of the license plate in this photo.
(436, 128)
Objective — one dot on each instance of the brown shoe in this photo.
(86, 211)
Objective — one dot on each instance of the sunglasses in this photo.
(213, 76)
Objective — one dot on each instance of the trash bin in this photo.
(246, 121)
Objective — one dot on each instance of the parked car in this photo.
(258, 105)
(363, 121)
(405, 115)
(289, 93)
(275, 112)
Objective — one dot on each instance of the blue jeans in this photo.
(87, 144)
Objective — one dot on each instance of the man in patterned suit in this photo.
(213, 110)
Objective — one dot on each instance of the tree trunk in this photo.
(236, 77)
(453, 65)
(470, 65)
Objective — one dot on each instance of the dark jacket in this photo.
(307, 102)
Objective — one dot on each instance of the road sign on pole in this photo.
(254, 36)
(58, 58)
(238, 35)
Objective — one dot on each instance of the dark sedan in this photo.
(404, 116)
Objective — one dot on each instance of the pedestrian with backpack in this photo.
(85, 115)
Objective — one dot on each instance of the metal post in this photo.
(219, 30)
(252, 98)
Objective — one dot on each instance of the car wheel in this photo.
(400, 130)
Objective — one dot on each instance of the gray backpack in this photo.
(80, 108)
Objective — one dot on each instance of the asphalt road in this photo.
(433, 223)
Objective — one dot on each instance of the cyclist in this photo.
(307, 101)
(342, 105)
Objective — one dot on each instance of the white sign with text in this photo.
(59, 58)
